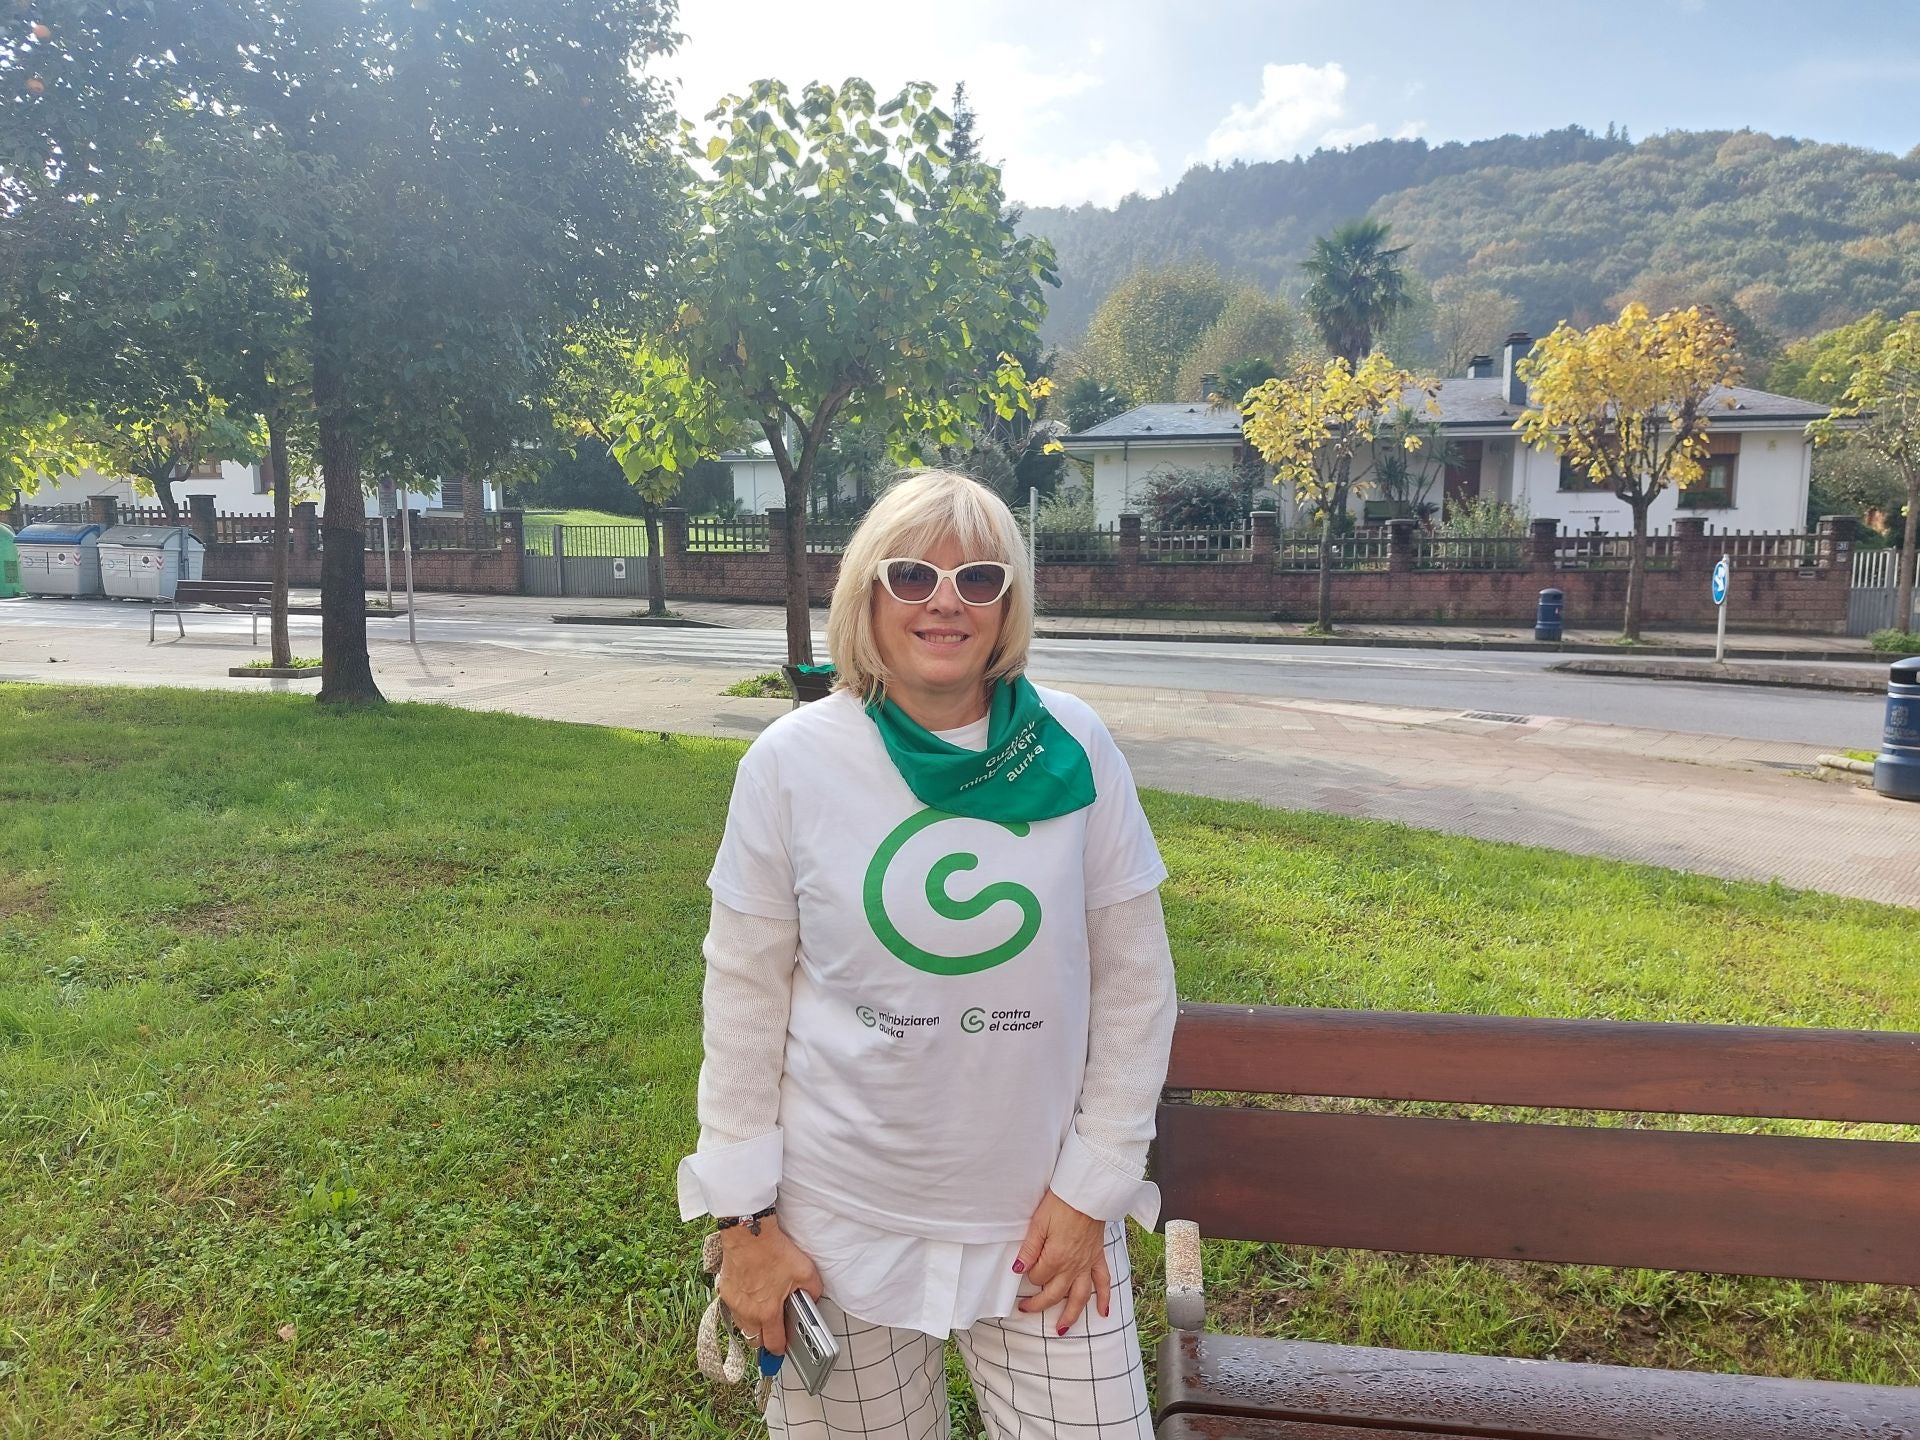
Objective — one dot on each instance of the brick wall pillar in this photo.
(1543, 537)
(303, 532)
(16, 514)
(1691, 557)
(200, 517)
(1129, 541)
(673, 531)
(1837, 534)
(103, 510)
(777, 531)
(1263, 538)
(513, 532)
(1400, 546)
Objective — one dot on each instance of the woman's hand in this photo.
(1065, 1254)
(757, 1274)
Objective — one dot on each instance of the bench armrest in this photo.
(1186, 1289)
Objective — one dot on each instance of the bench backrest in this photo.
(1609, 1193)
(223, 592)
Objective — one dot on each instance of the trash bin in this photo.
(146, 562)
(1547, 616)
(59, 559)
(1896, 769)
(9, 566)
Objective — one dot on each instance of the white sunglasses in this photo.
(913, 582)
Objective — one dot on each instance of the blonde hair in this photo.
(914, 515)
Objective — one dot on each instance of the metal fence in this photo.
(1098, 546)
(1768, 550)
(1611, 552)
(1873, 602)
(744, 532)
(1442, 552)
(1232, 543)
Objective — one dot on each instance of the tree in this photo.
(838, 270)
(1252, 338)
(1357, 286)
(1088, 401)
(1468, 320)
(1880, 414)
(1851, 478)
(1315, 423)
(963, 148)
(1148, 325)
(447, 186)
(1627, 404)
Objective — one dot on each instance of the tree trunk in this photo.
(282, 646)
(1323, 603)
(656, 563)
(1636, 571)
(346, 671)
(162, 481)
(1909, 555)
(799, 613)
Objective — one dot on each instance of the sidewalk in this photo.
(1718, 806)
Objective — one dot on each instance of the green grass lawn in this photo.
(345, 1059)
(538, 526)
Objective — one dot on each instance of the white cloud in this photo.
(1357, 135)
(1102, 176)
(1411, 130)
(1297, 102)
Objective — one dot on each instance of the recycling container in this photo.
(1547, 615)
(146, 562)
(9, 566)
(59, 559)
(1896, 769)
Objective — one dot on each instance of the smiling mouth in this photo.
(942, 637)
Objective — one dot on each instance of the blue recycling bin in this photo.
(1547, 618)
(1896, 769)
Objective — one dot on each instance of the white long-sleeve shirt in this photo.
(877, 1259)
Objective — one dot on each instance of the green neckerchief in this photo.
(1032, 768)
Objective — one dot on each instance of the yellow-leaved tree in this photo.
(1627, 405)
(1317, 425)
(1880, 414)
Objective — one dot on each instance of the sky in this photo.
(1087, 102)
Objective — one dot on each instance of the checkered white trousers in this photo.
(1031, 1384)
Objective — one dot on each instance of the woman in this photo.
(938, 1008)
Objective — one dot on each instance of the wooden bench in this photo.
(248, 597)
(1796, 1206)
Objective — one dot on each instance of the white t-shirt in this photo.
(937, 1036)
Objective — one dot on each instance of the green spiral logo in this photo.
(947, 906)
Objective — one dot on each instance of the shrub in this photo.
(1483, 518)
(1198, 499)
(1895, 642)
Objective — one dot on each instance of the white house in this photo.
(1758, 474)
(756, 479)
(237, 489)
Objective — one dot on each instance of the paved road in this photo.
(1514, 684)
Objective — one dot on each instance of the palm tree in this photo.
(1357, 287)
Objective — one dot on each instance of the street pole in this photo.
(1720, 641)
(1033, 528)
(406, 543)
(386, 559)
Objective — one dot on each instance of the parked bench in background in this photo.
(1738, 1204)
(248, 597)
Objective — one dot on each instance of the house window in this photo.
(204, 470)
(1578, 480)
(262, 478)
(453, 493)
(1713, 490)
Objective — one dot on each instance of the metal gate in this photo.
(586, 560)
(1871, 601)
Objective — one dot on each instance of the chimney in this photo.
(1480, 367)
(1515, 350)
(1209, 385)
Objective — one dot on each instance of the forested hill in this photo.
(1802, 235)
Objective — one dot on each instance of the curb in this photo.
(1727, 674)
(1387, 642)
(285, 672)
(667, 622)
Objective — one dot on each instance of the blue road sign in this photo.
(1720, 576)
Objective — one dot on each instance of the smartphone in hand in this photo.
(810, 1345)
